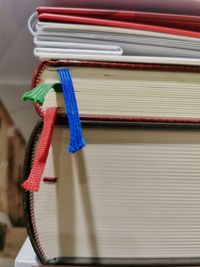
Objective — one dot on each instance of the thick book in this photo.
(137, 92)
(130, 197)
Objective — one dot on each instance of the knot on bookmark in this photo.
(38, 93)
(76, 136)
(72, 148)
(35, 177)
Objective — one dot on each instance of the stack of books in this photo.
(121, 90)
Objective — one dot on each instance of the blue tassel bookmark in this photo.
(76, 136)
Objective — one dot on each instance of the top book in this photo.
(115, 35)
(185, 7)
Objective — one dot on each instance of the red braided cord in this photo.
(35, 177)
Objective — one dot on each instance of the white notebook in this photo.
(52, 41)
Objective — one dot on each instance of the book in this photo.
(130, 197)
(184, 7)
(63, 33)
(143, 92)
(169, 20)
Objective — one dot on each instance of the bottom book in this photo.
(130, 197)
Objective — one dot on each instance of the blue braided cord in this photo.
(76, 136)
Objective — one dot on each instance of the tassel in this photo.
(35, 177)
(76, 137)
(38, 93)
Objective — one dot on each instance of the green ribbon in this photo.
(38, 93)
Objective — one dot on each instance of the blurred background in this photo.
(16, 121)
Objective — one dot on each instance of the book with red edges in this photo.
(116, 91)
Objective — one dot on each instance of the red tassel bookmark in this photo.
(35, 177)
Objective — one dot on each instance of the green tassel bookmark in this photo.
(38, 93)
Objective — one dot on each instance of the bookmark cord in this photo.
(76, 136)
(35, 177)
(38, 93)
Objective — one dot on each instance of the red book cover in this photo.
(187, 22)
(155, 22)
